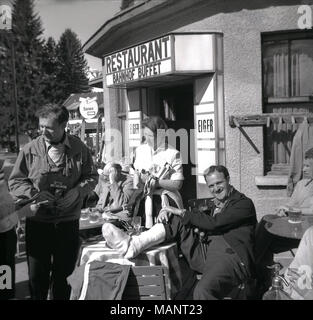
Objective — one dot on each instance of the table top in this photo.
(280, 226)
(85, 224)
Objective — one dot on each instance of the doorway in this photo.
(177, 109)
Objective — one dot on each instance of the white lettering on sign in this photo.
(143, 61)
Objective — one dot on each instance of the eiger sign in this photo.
(88, 107)
(143, 61)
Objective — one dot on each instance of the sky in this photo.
(84, 17)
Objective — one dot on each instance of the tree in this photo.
(52, 90)
(27, 30)
(72, 66)
(26, 36)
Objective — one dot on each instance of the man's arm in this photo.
(20, 185)
(235, 214)
(121, 192)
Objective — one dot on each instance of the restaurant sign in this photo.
(177, 53)
(143, 61)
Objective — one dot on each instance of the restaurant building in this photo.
(233, 74)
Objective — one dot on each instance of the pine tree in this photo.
(52, 90)
(72, 66)
(27, 29)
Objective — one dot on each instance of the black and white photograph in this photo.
(156, 150)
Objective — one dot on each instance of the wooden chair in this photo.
(147, 283)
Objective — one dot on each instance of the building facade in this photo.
(233, 74)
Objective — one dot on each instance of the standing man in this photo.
(225, 258)
(55, 169)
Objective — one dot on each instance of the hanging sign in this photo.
(88, 107)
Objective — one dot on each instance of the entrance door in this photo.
(176, 108)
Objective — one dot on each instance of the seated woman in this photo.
(268, 244)
(162, 164)
(299, 274)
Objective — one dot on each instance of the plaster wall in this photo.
(241, 26)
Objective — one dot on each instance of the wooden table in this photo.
(280, 226)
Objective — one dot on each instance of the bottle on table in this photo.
(276, 290)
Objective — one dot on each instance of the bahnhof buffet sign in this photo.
(143, 61)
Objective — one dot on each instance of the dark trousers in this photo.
(51, 256)
(220, 266)
(266, 245)
(7, 257)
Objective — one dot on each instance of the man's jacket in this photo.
(236, 222)
(32, 174)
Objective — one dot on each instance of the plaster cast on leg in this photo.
(115, 237)
(145, 240)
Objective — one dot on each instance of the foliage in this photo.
(72, 66)
(45, 71)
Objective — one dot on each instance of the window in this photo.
(288, 68)
(287, 60)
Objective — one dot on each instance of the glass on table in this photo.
(294, 215)
(84, 214)
(94, 215)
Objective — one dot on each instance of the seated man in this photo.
(299, 274)
(225, 258)
(114, 188)
(268, 244)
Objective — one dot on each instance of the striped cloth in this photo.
(160, 255)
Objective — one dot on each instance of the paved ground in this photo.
(22, 290)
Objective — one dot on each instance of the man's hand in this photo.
(167, 212)
(164, 216)
(68, 200)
